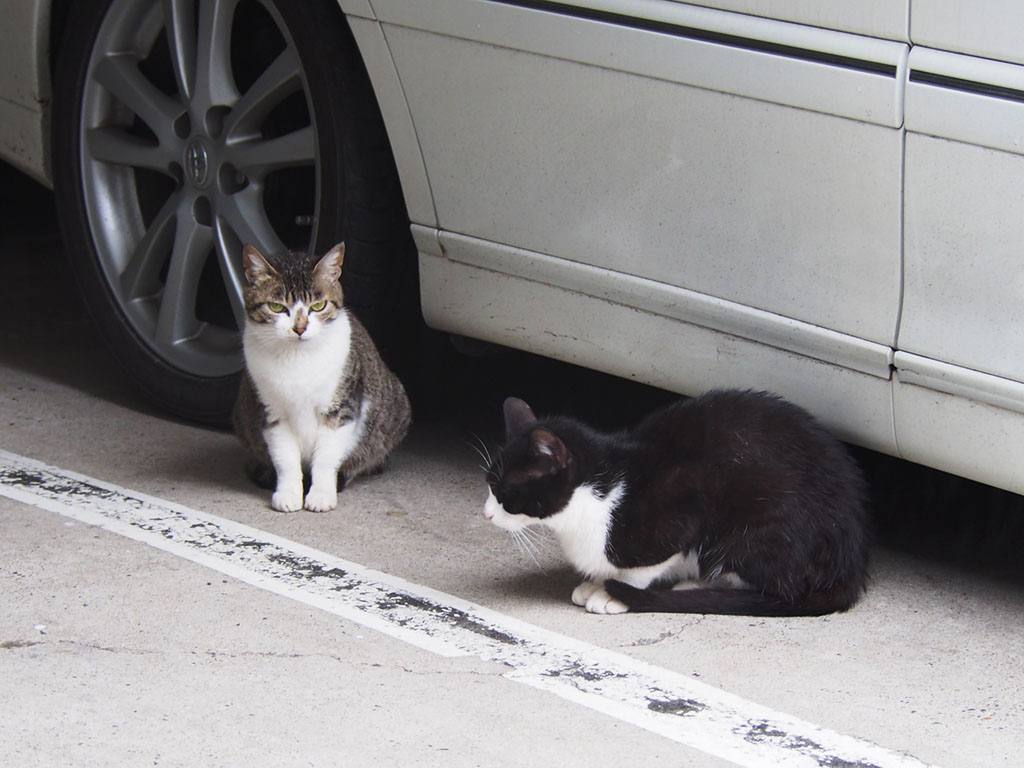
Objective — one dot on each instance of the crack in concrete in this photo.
(8, 645)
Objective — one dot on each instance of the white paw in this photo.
(321, 499)
(286, 501)
(582, 593)
(602, 602)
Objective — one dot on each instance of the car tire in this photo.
(177, 140)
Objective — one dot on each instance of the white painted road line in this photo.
(658, 700)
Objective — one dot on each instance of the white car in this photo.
(825, 200)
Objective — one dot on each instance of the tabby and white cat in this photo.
(740, 500)
(315, 396)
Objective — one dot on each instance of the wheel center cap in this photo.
(197, 162)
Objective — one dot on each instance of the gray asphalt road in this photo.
(136, 629)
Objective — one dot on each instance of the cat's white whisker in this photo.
(478, 449)
(481, 449)
(540, 539)
(527, 545)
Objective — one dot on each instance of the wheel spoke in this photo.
(179, 16)
(112, 145)
(177, 320)
(215, 83)
(281, 79)
(229, 257)
(141, 277)
(119, 73)
(241, 220)
(258, 158)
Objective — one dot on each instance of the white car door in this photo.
(813, 198)
(959, 385)
(734, 181)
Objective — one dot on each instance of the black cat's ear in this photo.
(548, 450)
(257, 268)
(329, 267)
(518, 417)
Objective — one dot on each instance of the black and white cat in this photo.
(740, 500)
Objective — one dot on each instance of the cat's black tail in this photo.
(728, 601)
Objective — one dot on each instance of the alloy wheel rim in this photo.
(193, 144)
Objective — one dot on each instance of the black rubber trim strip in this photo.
(968, 86)
(694, 33)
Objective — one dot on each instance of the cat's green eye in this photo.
(273, 306)
(317, 306)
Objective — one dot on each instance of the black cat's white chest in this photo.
(583, 527)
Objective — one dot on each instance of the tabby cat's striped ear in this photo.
(329, 267)
(257, 268)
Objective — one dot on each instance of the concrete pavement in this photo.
(114, 652)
